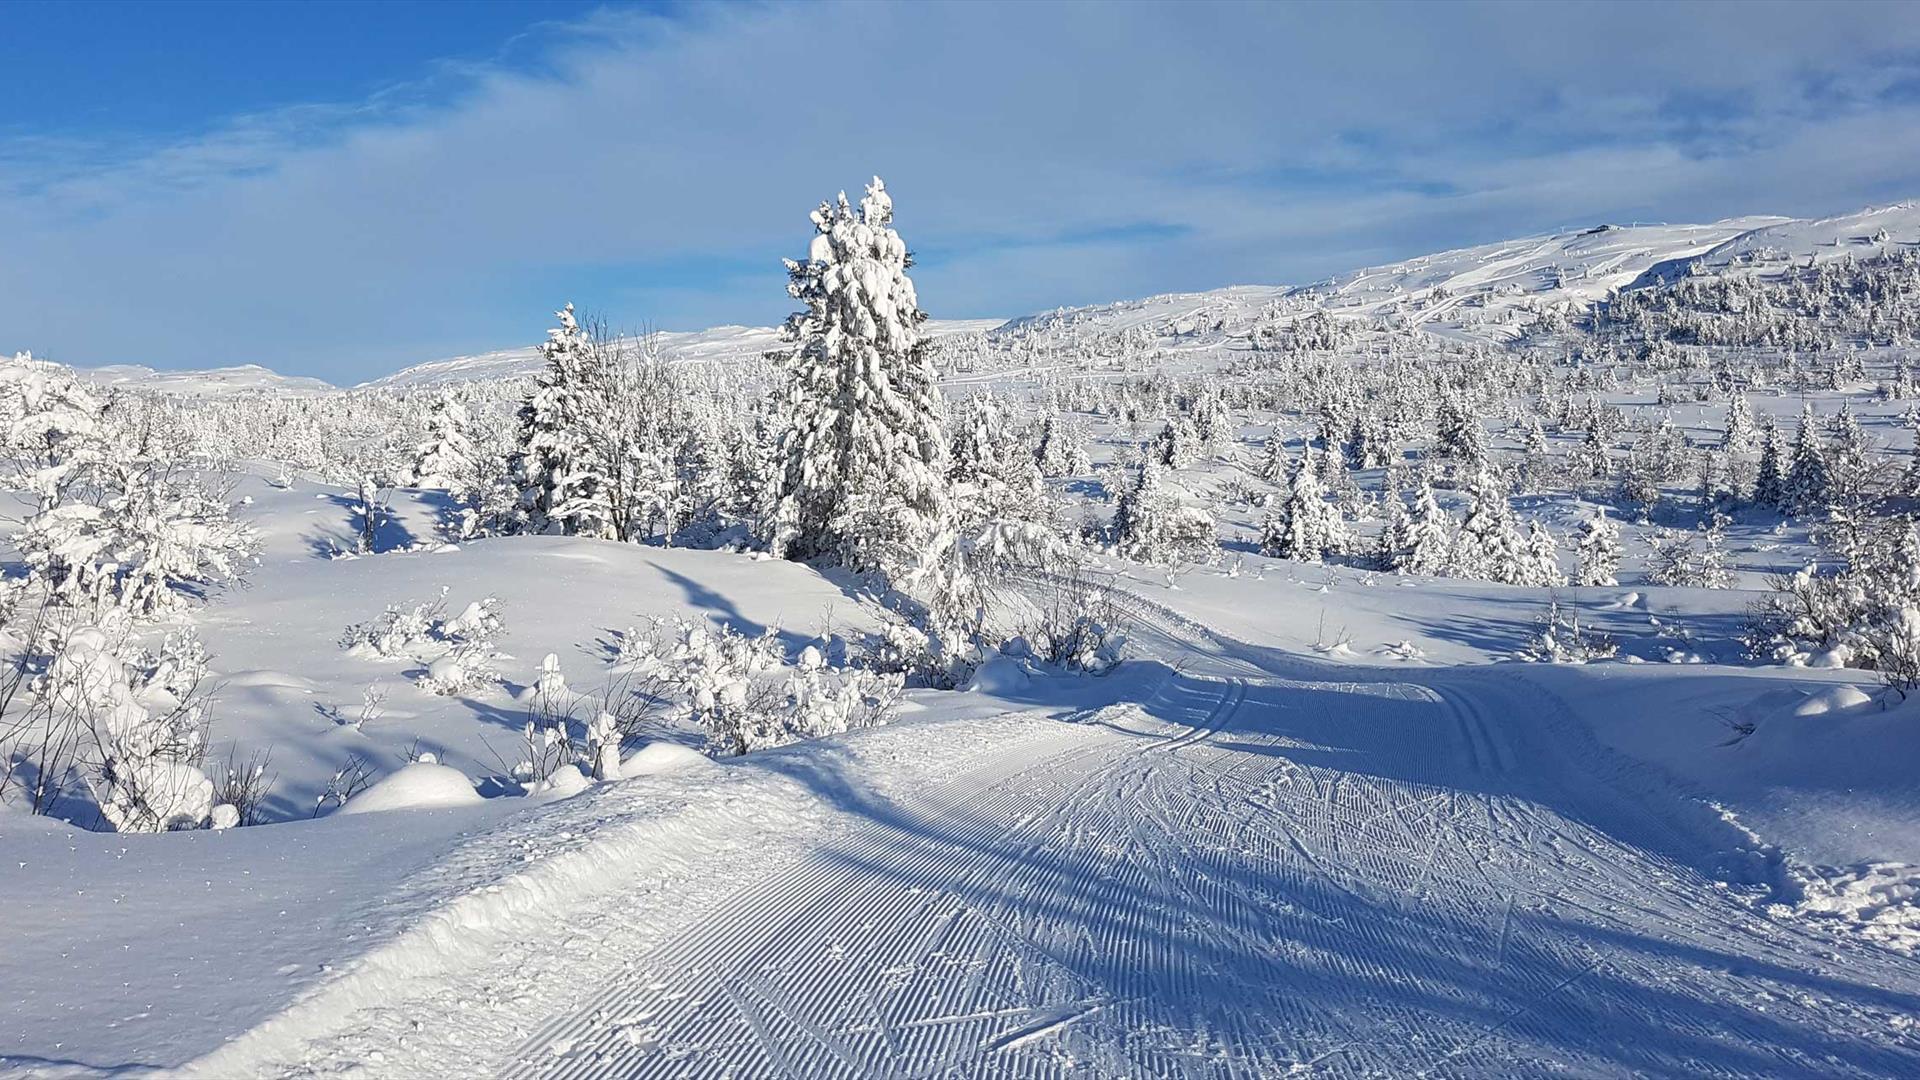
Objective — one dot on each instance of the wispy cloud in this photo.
(1041, 154)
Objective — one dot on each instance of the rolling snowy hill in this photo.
(1487, 292)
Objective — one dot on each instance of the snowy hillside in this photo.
(1770, 249)
(1478, 290)
(209, 382)
(720, 345)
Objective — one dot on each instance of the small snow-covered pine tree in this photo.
(445, 459)
(1300, 523)
(1419, 540)
(1541, 566)
(1807, 481)
(1597, 550)
(1490, 545)
(1738, 438)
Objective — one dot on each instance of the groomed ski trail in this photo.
(1265, 868)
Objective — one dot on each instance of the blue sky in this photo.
(342, 189)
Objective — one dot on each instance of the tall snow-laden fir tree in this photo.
(1597, 550)
(1806, 484)
(560, 486)
(1769, 478)
(445, 459)
(1419, 540)
(1300, 523)
(860, 470)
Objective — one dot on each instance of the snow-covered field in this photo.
(1324, 818)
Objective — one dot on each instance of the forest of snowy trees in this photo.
(1654, 440)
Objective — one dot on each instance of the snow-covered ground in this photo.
(1226, 858)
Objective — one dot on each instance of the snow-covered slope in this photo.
(1771, 248)
(208, 382)
(1442, 289)
(722, 344)
(1486, 292)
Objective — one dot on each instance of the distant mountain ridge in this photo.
(1481, 292)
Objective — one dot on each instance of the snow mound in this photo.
(1832, 699)
(566, 781)
(1000, 675)
(662, 759)
(422, 785)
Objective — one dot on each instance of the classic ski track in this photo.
(1254, 874)
(818, 884)
(1459, 930)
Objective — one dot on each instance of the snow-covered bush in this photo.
(398, 631)
(1856, 615)
(458, 651)
(141, 751)
(1559, 638)
(1077, 629)
(747, 697)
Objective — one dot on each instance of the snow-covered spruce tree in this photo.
(999, 520)
(1061, 447)
(560, 487)
(1420, 539)
(1597, 550)
(1176, 446)
(1461, 438)
(1851, 470)
(1533, 467)
(445, 459)
(860, 471)
(979, 436)
(1275, 465)
(1150, 525)
(1541, 565)
(1805, 490)
(1211, 422)
(1590, 463)
(1769, 478)
(1490, 545)
(1738, 438)
(1712, 564)
(1300, 523)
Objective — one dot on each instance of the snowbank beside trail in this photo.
(668, 843)
(662, 759)
(319, 707)
(122, 952)
(420, 786)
